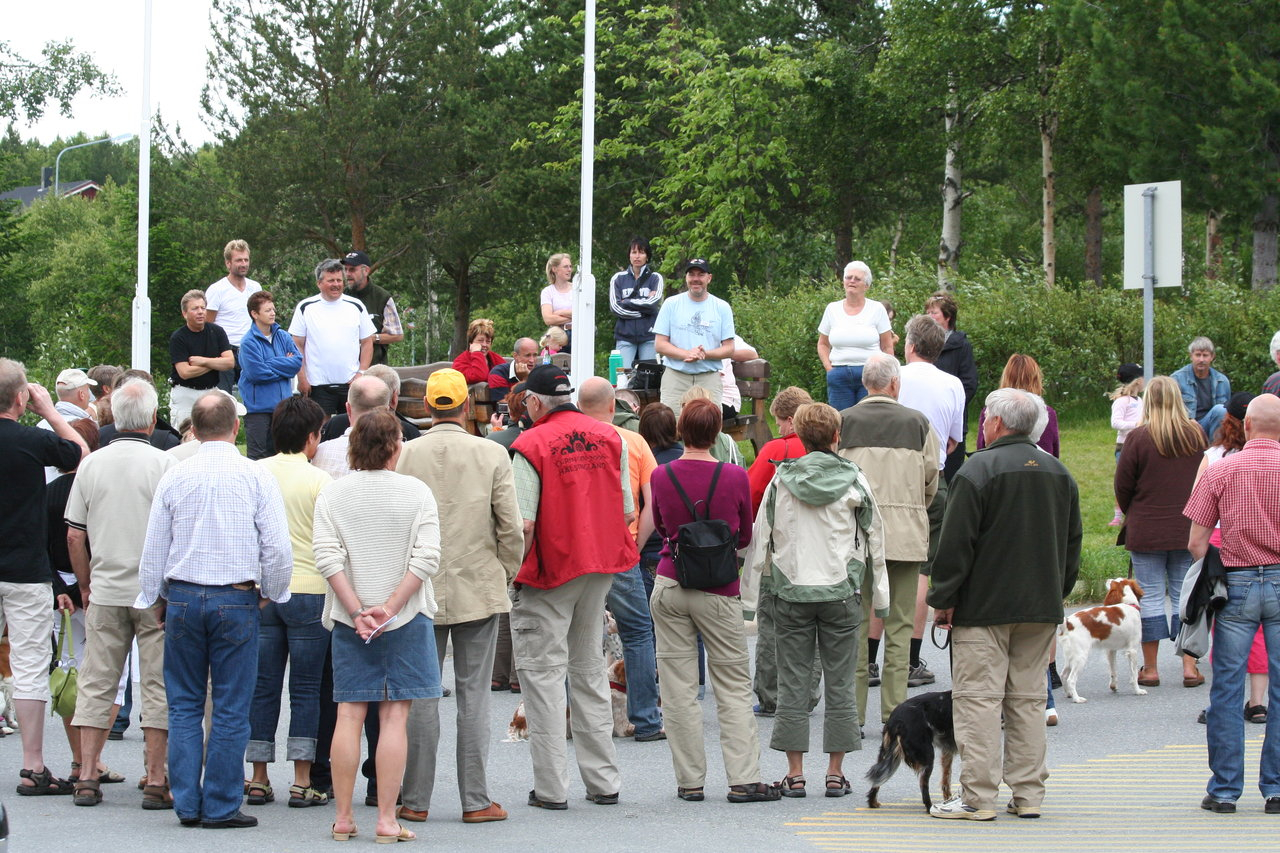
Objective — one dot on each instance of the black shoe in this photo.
(115, 735)
(1054, 680)
(1272, 806)
(652, 736)
(1209, 804)
(239, 820)
(603, 799)
(873, 675)
(189, 821)
(1202, 719)
(546, 804)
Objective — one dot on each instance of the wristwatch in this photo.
(377, 338)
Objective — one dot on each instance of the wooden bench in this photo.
(753, 384)
(413, 392)
(752, 421)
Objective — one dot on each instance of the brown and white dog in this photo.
(1115, 625)
(617, 673)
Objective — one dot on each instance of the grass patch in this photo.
(1088, 450)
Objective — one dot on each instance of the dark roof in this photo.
(30, 195)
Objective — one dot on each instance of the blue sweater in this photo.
(266, 368)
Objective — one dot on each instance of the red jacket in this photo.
(580, 527)
(475, 366)
(761, 471)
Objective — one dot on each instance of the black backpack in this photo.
(704, 550)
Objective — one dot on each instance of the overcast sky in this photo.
(111, 32)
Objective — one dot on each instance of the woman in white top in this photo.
(376, 538)
(557, 297)
(852, 330)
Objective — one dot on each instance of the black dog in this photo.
(915, 729)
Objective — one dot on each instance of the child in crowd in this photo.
(1126, 413)
(553, 341)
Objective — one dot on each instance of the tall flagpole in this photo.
(141, 301)
(582, 358)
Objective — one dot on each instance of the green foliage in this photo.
(26, 85)
(1078, 335)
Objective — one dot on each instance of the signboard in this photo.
(1164, 233)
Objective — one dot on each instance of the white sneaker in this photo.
(1050, 716)
(955, 809)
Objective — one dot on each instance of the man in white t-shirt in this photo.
(335, 335)
(227, 304)
(938, 396)
(694, 333)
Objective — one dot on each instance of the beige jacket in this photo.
(897, 450)
(481, 532)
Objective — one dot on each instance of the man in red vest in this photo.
(575, 497)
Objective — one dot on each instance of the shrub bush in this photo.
(1078, 334)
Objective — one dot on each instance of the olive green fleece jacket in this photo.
(1010, 542)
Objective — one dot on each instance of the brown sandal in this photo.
(157, 797)
(88, 792)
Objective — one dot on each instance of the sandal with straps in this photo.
(838, 786)
(691, 795)
(44, 784)
(265, 794)
(88, 792)
(792, 786)
(302, 796)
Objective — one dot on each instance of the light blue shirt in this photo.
(687, 324)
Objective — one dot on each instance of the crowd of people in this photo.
(350, 550)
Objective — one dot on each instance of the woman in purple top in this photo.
(680, 614)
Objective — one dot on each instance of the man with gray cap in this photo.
(694, 334)
(335, 335)
(571, 475)
(387, 328)
(1009, 554)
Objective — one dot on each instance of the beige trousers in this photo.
(678, 616)
(558, 634)
(999, 669)
(904, 582)
(109, 631)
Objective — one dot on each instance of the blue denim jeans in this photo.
(210, 636)
(1160, 574)
(844, 386)
(290, 632)
(1253, 599)
(1212, 420)
(631, 353)
(630, 609)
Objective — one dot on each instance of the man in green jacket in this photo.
(1009, 553)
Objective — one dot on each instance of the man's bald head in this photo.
(595, 398)
(366, 394)
(1262, 418)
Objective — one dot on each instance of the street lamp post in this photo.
(57, 161)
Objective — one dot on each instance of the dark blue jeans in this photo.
(210, 636)
(844, 386)
(291, 632)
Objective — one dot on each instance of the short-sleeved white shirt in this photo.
(333, 332)
(854, 339)
(938, 396)
(232, 306)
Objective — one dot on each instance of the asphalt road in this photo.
(1125, 770)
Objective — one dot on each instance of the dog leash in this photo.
(933, 635)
